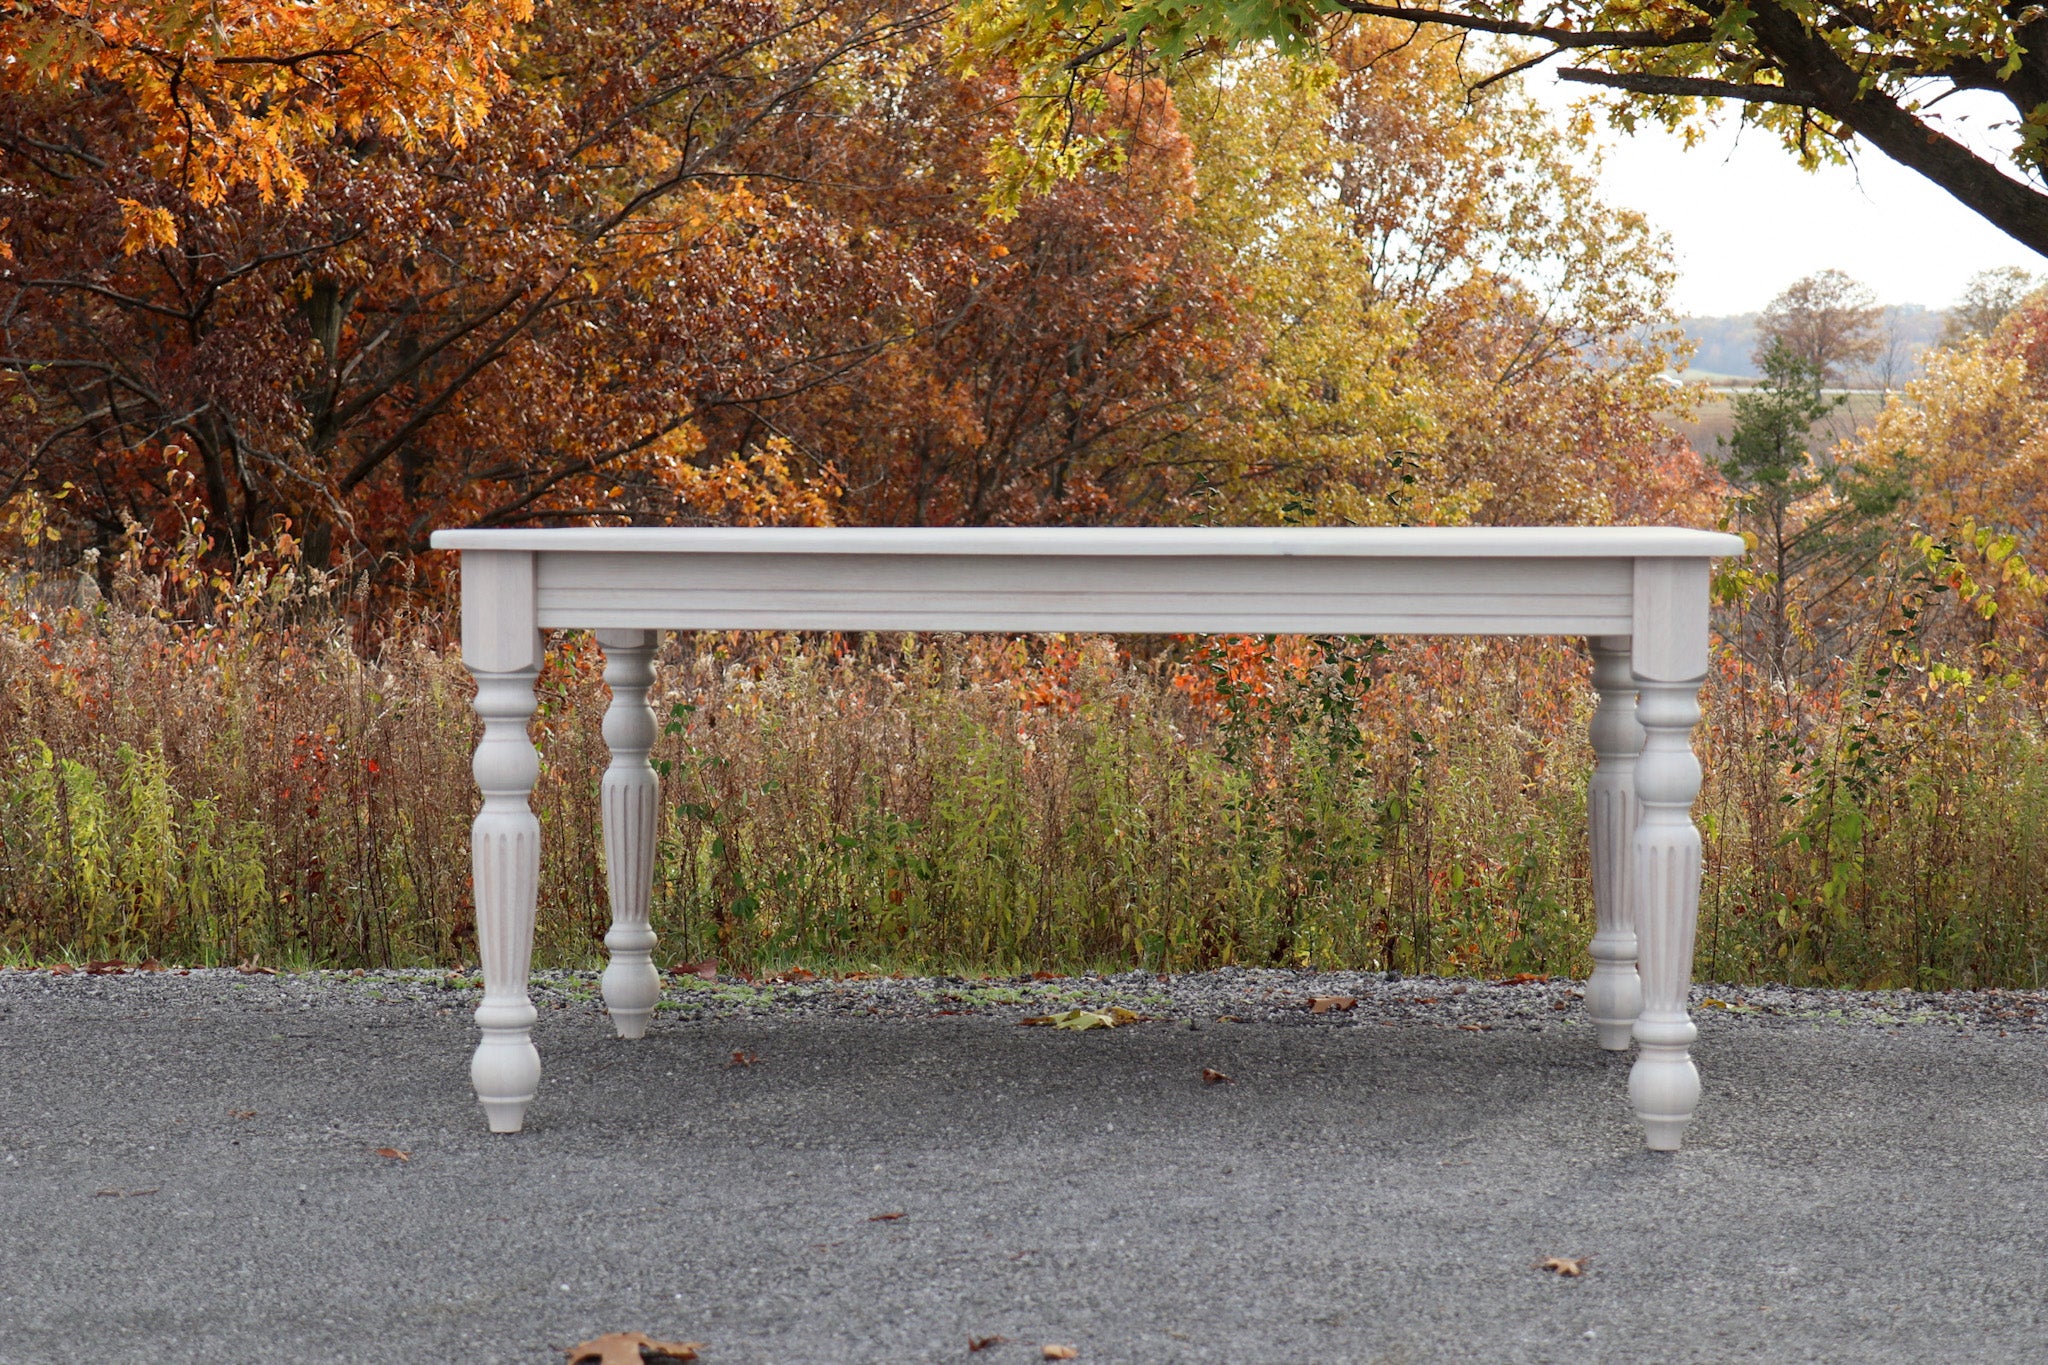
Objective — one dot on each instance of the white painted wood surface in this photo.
(1641, 593)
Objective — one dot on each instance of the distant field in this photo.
(1714, 419)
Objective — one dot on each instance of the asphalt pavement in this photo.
(190, 1170)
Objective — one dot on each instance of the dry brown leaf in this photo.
(1324, 1004)
(1522, 979)
(743, 1059)
(793, 976)
(241, 1113)
(149, 964)
(254, 968)
(632, 1348)
(1116, 1016)
(393, 1154)
(1052, 1352)
(886, 1217)
(983, 1343)
(1211, 1076)
(1045, 976)
(1571, 1267)
(707, 969)
(109, 967)
(62, 969)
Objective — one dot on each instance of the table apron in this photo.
(1138, 594)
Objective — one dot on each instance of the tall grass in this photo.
(210, 771)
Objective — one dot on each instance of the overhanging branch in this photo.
(1644, 83)
(1514, 28)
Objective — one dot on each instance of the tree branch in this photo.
(1644, 83)
(1515, 28)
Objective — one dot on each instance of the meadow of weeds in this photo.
(213, 771)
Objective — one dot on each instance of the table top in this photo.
(1388, 542)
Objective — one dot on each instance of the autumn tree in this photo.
(1456, 328)
(721, 261)
(1971, 434)
(1819, 76)
(1828, 320)
(1049, 359)
(1988, 298)
(403, 302)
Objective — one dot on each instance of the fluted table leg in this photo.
(1670, 664)
(1614, 995)
(632, 986)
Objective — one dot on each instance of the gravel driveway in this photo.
(190, 1171)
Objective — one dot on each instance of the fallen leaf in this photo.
(1711, 1003)
(792, 976)
(1423, 1000)
(1052, 1352)
(1522, 979)
(858, 976)
(1045, 976)
(1324, 1004)
(1211, 1076)
(742, 1059)
(1560, 1004)
(1571, 1267)
(632, 1348)
(1084, 1019)
(886, 1217)
(983, 1343)
(1228, 1019)
(241, 1113)
(393, 1154)
(62, 969)
(707, 969)
(253, 968)
(149, 964)
(110, 967)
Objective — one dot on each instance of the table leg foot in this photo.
(631, 985)
(506, 1070)
(1664, 1085)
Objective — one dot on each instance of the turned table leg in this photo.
(1670, 664)
(1614, 995)
(631, 985)
(505, 853)
(502, 649)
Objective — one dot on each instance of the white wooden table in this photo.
(1639, 594)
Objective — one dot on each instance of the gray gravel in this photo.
(188, 1172)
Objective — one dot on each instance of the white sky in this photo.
(1745, 221)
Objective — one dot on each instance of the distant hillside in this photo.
(1724, 345)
